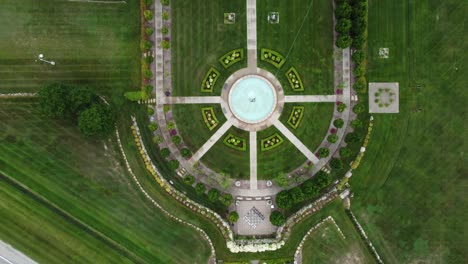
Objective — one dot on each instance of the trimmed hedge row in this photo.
(271, 142)
(235, 142)
(272, 57)
(295, 117)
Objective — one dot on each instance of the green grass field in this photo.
(304, 36)
(94, 44)
(200, 38)
(85, 179)
(411, 186)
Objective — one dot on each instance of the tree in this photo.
(359, 108)
(80, 99)
(360, 85)
(359, 70)
(53, 100)
(345, 152)
(213, 195)
(189, 179)
(226, 199)
(343, 26)
(336, 164)
(357, 123)
(200, 188)
(310, 188)
(323, 152)
(233, 217)
(283, 200)
(185, 152)
(296, 195)
(358, 56)
(277, 218)
(343, 10)
(98, 120)
(338, 123)
(343, 41)
(352, 137)
(174, 164)
(359, 41)
(165, 152)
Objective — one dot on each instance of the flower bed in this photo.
(295, 117)
(210, 118)
(271, 142)
(230, 58)
(235, 142)
(210, 80)
(272, 57)
(294, 80)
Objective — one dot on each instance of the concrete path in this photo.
(9, 255)
(296, 142)
(192, 100)
(310, 98)
(158, 52)
(213, 139)
(252, 34)
(253, 160)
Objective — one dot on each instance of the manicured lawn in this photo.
(200, 38)
(304, 36)
(85, 178)
(192, 127)
(95, 44)
(222, 158)
(314, 125)
(284, 158)
(410, 191)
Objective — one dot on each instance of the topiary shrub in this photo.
(213, 195)
(359, 70)
(153, 126)
(226, 199)
(189, 179)
(149, 2)
(352, 138)
(185, 152)
(150, 111)
(345, 152)
(332, 138)
(359, 108)
(165, 2)
(165, 15)
(173, 164)
(176, 140)
(360, 85)
(233, 217)
(165, 152)
(165, 44)
(338, 123)
(341, 107)
(343, 26)
(164, 30)
(200, 188)
(336, 164)
(357, 123)
(149, 31)
(323, 152)
(148, 14)
(277, 218)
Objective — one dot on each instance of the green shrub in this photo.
(147, 45)
(281, 180)
(148, 74)
(226, 199)
(359, 108)
(166, 109)
(312, 187)
(148, 14)
(173, 164)
(189, 179)
(332, 138)
(149, 2)
(149, 31)
(164, 30)
(176, 140)
(98, 120)
(136, 96)
(284, 200)
(323, 152)
(341, 107)
(148, 89)
(152, 126)
(352, 137)
(165, 15)
(360, 85)
(170, 125)
(343, 26)
(185, 152)
(357, 123)
(165, 152)
(158, 139)
(358, 56)
(213, 195)
(296, 195)
(343, 41)
(345, 152)
(359, 70)
(277, 218)
(200, 188)
(336, 164)
(233, 217)
(338, 123)
(165, 44)
(343, 10)
(165, 2)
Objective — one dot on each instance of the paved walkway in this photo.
(310, 98)
(253, 160)
(296, 142)
(213, 139)
(158, 52)
(9, 255)
(192, 100)
(252, 34)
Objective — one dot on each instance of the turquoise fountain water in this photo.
(252, 99)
